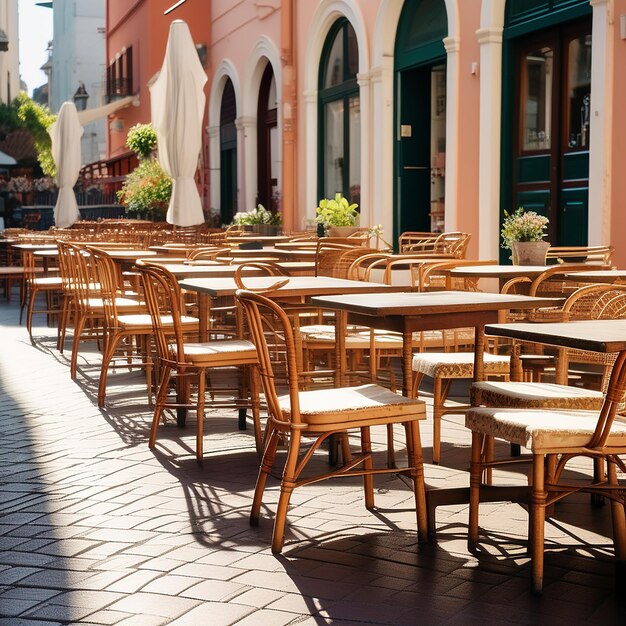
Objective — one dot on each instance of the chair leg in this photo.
(476, 470)
(416, 464)
(618, 516)
(108, 350)
(368, 479)
(200, 413)
(160, 403)
(29, 312)
(287, 486)
(437, 411)
(78, 330)
(253, 372)
(537, 522)
(267, 462)
(391, 452)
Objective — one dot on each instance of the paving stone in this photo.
(95, 528)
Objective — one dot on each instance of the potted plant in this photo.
(146, 191)
(338, 217)
(260, 220)
(523, 233)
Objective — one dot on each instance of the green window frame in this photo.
(339, 99)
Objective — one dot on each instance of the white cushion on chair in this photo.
(219, 353)
(534, 395)
(542, 431)
(458, 364)
(358, 404)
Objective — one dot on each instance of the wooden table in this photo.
(599, 276)
(188, 270)
(407, 313)
(410, 312)
(299, 288)
(503, 273)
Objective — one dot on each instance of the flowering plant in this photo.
(146, 189)
(19, 184)
(522, 226)
(142, 140)
(259, 215)
(336, 212)
(44, 184)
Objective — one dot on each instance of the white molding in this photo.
(324, 17)
(601, 115)
(226, 69)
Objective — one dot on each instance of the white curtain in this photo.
(66, 133)
(177, 102)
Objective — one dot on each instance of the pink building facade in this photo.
(431, 114)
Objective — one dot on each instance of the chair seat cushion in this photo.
(542, 431)
(48, 282)
(523, 395)
(353, 406)
(222, 353)
(143, 321)
(458, 364)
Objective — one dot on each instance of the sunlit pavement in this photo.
(97, 529)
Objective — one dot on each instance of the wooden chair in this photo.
(50, 286)
(189, 359)
(320, 414)
(580, 254)
(553, 438)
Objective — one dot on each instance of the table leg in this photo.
(341, 361)
(407, 361)
(562, 367)
(479, 350)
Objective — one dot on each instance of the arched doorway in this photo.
(546, 114)
(268, 148)
(420, 124)
(228, 154)
(339, 115)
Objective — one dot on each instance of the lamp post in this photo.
(80, 97)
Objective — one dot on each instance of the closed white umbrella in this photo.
(177, 102)
(66, 133)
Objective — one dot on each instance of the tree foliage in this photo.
(37, 119)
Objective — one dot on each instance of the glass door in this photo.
(551, 151)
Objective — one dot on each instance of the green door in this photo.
(413, 181)
(550, 143)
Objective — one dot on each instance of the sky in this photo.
(35, 31)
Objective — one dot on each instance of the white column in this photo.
(367, 173)
(600, 143)
(247, 127)
(241, 166)
(214, 167)
(310, 156)
(490, 41)
(382, 141)
(453, 98)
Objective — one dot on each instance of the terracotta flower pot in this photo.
(530, 252)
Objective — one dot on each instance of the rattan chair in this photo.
(188, 359)
(320, 414)
(50, 286)
(554, 438)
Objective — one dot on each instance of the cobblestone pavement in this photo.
(97, 529)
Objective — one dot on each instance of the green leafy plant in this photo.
(259, 215)
(336, 212)
(37, 119)
(142, 140)
(522, 226)
(147, 189)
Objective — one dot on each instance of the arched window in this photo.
(340, 115)
(268, 173)
(228, 154)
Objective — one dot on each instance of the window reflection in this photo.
(579, 91)
(537, 104)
